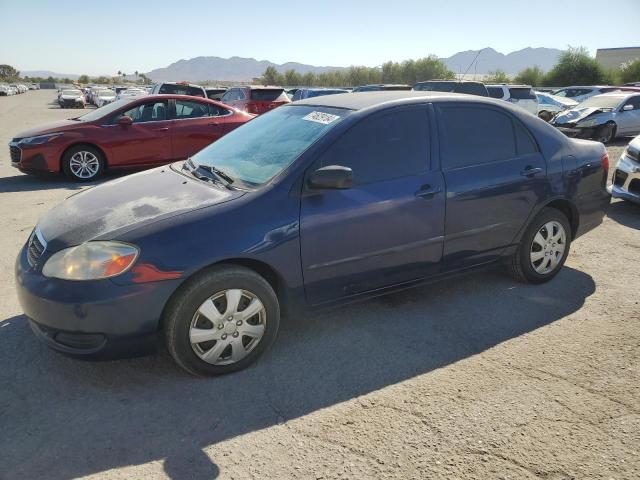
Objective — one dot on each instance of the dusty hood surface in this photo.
(129, 202)
(49, 128)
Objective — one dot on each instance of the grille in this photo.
(619, 178)
(35, 248)
(15, 154)
(634, 186)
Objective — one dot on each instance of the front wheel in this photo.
(543, 249)
(606, 133)
(83, 163)
(221, 321)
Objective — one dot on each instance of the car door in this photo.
(196, 125)
(628, 121)
(386, 229)
(494, 175)
(146, 141)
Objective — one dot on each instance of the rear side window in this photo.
(267, 95)
(172, 89)
(525, 144)
(383, 146)
(187, 109)
(475, 135)
(522, 93)
(495, 92)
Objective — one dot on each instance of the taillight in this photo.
(605, 162)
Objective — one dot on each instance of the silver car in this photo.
(626, 177)
(602, 117)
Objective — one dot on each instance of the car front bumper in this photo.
(38, 158)
(93, 319)
(626, 180)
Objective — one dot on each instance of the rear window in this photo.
(520, 93)
(172, 89)
(495, 92)
(267, 94)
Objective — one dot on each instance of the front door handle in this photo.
(162, 129)
(530, 171)
(427, 191)
(213, 124)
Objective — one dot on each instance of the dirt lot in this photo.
(476, 377)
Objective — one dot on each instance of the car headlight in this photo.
(40, 139)
(91, 261)
(590, 122)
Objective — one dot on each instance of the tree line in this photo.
(575, 67)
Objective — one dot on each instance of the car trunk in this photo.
(264, 99)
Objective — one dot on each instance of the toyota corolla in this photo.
(316, 203)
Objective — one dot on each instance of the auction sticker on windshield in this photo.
(321, 117)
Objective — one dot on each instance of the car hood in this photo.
(116, 207)
(576, 114)
(49, 128)
(70, 97)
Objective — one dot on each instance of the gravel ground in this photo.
(476, 377)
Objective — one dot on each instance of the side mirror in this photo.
(332, 177)
(627, 107)
(125, 120)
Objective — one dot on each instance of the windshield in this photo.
(71, 92)
(602, 101)
(265, 146)
(103, 111)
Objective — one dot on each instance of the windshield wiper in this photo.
(219, 173)
(206, 172)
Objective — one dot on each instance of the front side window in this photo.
(146, 112)
(383, 146)
(635, 102)
(475, 135)
(262, 148)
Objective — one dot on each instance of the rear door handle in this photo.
(530, 171)
(213, 124)
(427, 191)
(162, 129)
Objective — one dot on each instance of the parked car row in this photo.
(14, 89)
(319, 202)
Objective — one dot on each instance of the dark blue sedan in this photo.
(316, 203)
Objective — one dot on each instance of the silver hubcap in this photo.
(548, 247)
(227, 326)
(84, 164)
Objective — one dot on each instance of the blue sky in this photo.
(104, 37)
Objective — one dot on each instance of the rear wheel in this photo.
(221, 321)
(543, 248)
(83, 163)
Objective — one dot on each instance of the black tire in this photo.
(546, 116)
(606, 133)
(521, 266)
(67, 159)
(183, 306)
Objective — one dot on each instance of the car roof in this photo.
(362, 100)
(618, 94)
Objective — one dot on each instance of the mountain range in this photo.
(245, 69)
(241, 69)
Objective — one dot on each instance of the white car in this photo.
(520, 95)
(131, 93)
(626, 176)
(103, 97)
(581, 93)
(71, 98)
(549, 105)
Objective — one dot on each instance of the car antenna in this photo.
(471, 64)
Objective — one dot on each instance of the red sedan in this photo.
(143, 132)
